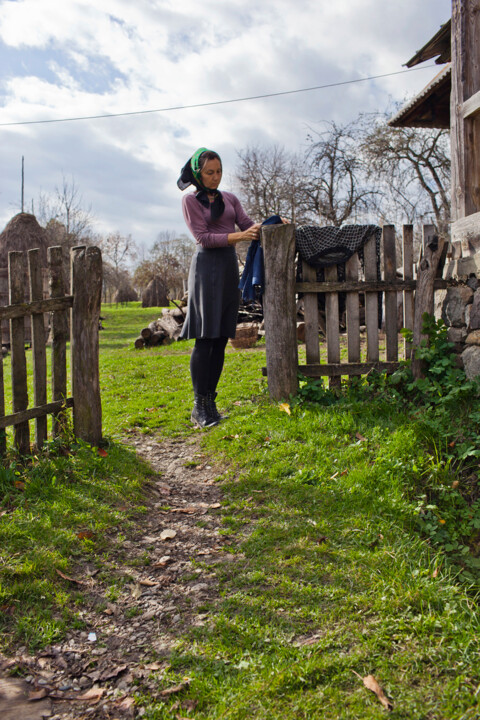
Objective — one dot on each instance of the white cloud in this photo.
(82, 57)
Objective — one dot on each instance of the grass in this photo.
(331, 578)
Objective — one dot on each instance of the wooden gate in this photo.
(83, 307)
(280, 316)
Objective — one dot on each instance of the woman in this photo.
(213, 295)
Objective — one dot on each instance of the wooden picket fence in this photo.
(81, 311)
(280, 309)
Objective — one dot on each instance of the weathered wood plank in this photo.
(465, 132)
(408, 297)
(35, 412)
(310, 301)
(38, 346)
(59, 332)
(353, 311)
(471, 106)
(86, 284)
(362, 286)
(278, 243)
(327, 369)
(16, 281)
(3, 435)
(433, 247)
(8, 312)
(332, 324)
(371, 301)
(389, 273)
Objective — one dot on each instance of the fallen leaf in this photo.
(92, 696)
(163, 562)
(136, 592)
(85, 535)
(168, 534)
(285, 407)
(102, 452)
(66, 577)
(371, 683)
(37, 694)
(360, 437)
(435, 573)
(148, 583)
(109, 674)
(19, 485)
(175, 689)
(321, 539)
(213, 506)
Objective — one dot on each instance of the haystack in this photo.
(125, 294)
(23, 233)
(155, 294)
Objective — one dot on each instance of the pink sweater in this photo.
(208, 233)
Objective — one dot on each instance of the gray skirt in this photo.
(213, 294)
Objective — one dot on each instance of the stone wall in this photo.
(459, 308)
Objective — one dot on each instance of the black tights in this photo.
(206, 364)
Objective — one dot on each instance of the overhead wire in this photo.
(212, 103)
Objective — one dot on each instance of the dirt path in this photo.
(148, 592)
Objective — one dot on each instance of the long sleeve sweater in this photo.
(212, 234)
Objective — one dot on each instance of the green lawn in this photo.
(333, 511)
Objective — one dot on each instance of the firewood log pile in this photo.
(167, 328)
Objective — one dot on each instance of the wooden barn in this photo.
(452, 100)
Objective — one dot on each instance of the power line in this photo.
(216, 102)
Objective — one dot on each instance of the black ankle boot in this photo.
(212, 407)
(201, 414)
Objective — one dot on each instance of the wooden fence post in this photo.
(427, 272)
(408, 297)
(16, 281)
(390, 273)
(278, 242)
(38, 345)
(59, 333)
(86, 287)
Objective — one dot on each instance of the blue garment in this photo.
(253, 276)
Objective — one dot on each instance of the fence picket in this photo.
(86, 286)
(408, 297)
(310, 303)
(38, 346)
(390, 272)
(3, 432)
(332, 325)
(59, 331)
(371, 301)
(16, 279)
(353, 311)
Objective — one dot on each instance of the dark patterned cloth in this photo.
(328, 245)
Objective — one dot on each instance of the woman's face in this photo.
(211, 174)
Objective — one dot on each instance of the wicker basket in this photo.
(246, 336)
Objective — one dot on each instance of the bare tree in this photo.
(272, 182)
(65, 209)
(337, 189)
(117, 251)
(411, 168)
(168, 260)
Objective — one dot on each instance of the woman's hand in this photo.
(252, 233)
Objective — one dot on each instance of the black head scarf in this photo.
(191, 175)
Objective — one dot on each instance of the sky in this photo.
(62, 59)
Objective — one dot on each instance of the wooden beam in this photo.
(466, 228)
(330, 369)
(18, 310)
(35, 412)
(471, 107)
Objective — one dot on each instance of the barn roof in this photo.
(431, 107)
